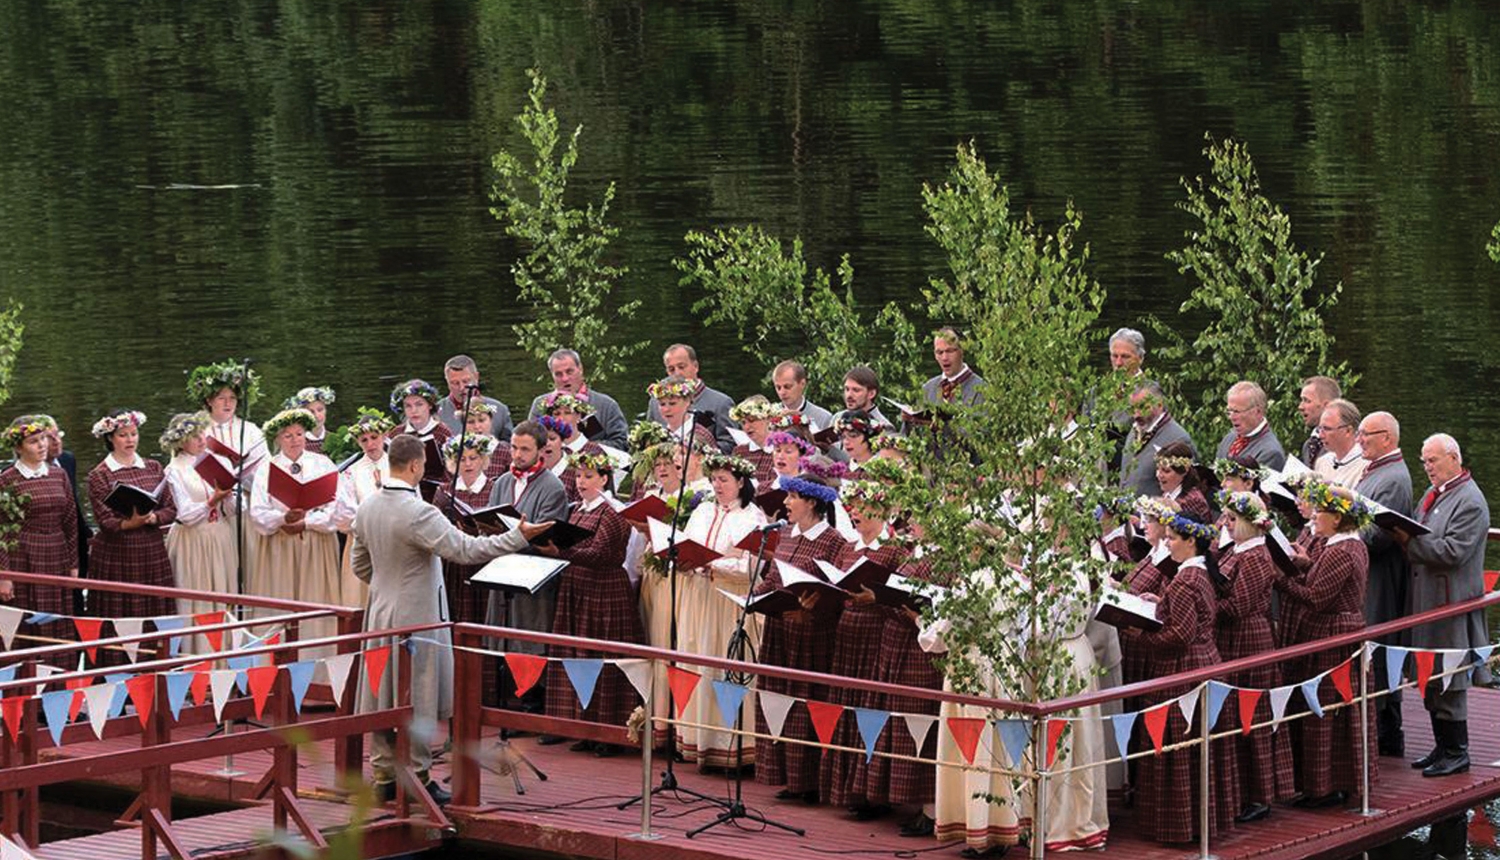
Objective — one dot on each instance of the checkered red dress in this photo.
(856, 654)
(765, 471)
(1193, 504)
(47, 543)
(1167, 783)
(136, 556)
(466, 603)
(1265, 757)
(901, 660)
(1332, 597)
(1289, 621)
(797, 640)
(1134, 657)
(595, 601)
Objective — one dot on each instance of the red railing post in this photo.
(468, 677)
(156, 781)
(349, 751)
(283, 758)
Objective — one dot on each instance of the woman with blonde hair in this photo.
(200, 543)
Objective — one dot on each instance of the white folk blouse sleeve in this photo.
(336, 514)
(266, 514)
(191, 509)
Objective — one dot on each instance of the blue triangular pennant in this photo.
(122, 695)
(871, 723)
(1310, 695)
(56, 705)
(410, 644)
(240, 664)
(1014, 735)
(584, 676)
(171, 622)
(1123, 725)
(729, 696)
(300, 675)
(178, 684)
(1217, 693)
(8, 673)
(1481, 658)
(1395, 661)
(41, 618)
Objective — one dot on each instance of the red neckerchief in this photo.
(948, 387)
(527, 474)
(1429, 501)
(698, 386)
(583, 391)
(1241, 442)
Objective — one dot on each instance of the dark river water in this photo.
(356, 246)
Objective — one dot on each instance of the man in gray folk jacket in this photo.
(682, 360)
(460, 371)
(1152, 428)
(1385, 480)
(566, 368)
(1249, 431)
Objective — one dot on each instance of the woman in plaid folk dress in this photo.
(1178, 477)
(1331, 599)
(802, 639)
(595, 601)
(128, 549)
(48, 537)
(754, 414)
(472, 485)
(1265, 757)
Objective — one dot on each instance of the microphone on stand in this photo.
(772, 527)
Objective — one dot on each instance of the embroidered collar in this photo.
(1341, 537)
(559, 467)
(475, 487)
(115, 465)
(1355, 453)
(27, 472)
(1172, 494)
(813, 533)
(426, 429)
(1453, 482)
(576, 443)
(859, 544)
(1146, 434)
(1242, 546)
(1383, 460)
(588, 507)
(961, 376)
(1259, 429)
(321, 435)
(1194, 562)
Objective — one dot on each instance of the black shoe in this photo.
(787, 794)
(441, 796)
(1335, 798)
(1451, 762)
(1253, 812)
(1394, 748)
(992, 851)
(582, 746)
(1427, 760)
(607, 750)
(550, 740)
(870, 812)
(385, 792)
(917, 827)
(1438, 734)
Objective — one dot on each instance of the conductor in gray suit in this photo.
(1385, 480)
(398, 541)
(1447, 567)
(1249, 431)
(1151, 428)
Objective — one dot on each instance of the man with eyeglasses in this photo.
(1386, 480)
(1317, 393)
(1249, 432)
(1342, 461)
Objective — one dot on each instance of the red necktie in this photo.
(946, 389)
(1238, 446)
(1429, 500)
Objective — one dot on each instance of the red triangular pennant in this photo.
(682, 683)
(526, 670)
(1491, 577)
(142, 689)
(1054, 734)
(263, 678)
(199, 688)
(88, 631)
(1156, 723)
(1424, 668)
(965, 731)
(825, 718)
(12, 708)
(215, 637)
(273, 640)
(1248, 700)
(1340, 676)
(375, 660)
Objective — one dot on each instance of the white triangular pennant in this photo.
(1188, 704)
(1450, 661)
(920, 726)
(775, 706)
(220, 682)
(638, 673)
(130, 627)
(11, 851)
(338, 674)
(10, 619)
(1279, 697)
(98, 698)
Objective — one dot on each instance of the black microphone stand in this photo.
(669, 776)
(239, 480)
(740, 649)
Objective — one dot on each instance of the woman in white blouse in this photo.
(364, 477)
(200, 542)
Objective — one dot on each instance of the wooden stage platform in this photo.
(573, 814)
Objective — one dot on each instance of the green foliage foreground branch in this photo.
(12, 504)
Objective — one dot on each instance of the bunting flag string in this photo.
(965, 732)
(130, 627)
(1248, 699)
(1395, 661)
(825, 718)
(525, 670)
(1015, 733)
(583, 674)
(871, 723)
(261, 680)
(55, 706)
(1123, 725)
(11, 707)
(142, 692)
(338, 667)
(88, 631)
(1156, 723)
(775, 707)
(178, 685)
(1424, 669)
(1054, 734)
(11, 851)
(299, 675)
(730, 697)
(1310, 695)
(1187, 703)
(1341, 682)
(638, 673)
(1279, 697)
(375, 663)
(10, 622)
(682, 684)
(919, 726)
(1218, 693)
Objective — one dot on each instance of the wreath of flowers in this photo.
(1154, 509)
(26, 426)
(892, 442)
(311, 394)
(1247, 506)
(1190, 528)
(182, 426)
(482, 444)
(286, 418)
(828, 470)
(885, 469)
(1119, 506)
(556, 425)
(599, 462)
(869, 494)
(810, 490)
(680, 388)
(645, 460)
(715, 460)
(791, 419)
(1176, 464)
(206, 380)
(1339, 500)
(417, 387)
(482, 409)
(562, 401)
(110, 423)
(370, 421)
(846, 423)
(781, 437)
(755, 408)
(646, 435)
(1233, 469)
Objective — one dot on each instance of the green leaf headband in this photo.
(1227, 468)
(563, 402)
(482, 444)
(206, 380)
(758, 409)
(715, 461)
(286, 418)
(1176, 464)
(599, 462)
(370, 421)
(647, 434)
(311, 394)
(182, 426)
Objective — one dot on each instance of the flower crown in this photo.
(482, 444)
(1150, 508)
(829, 470)
(26, 426)
(847, 423)
(884, 469)
(791, 419)
(286, 418)
(681, 388)
(714, 461)
(1339, 500)
(1190, 528)
(409, 388)
(110, 423)
(370, 421)
(870, 494)
(810, 490)
(892, 442)
(781, 437)
(755, 409)
(561, 401)
(1247, 506)
(558, 426)
(599, 462)
(205, 381)
(1176, 464)
(1118, 506)
(480, 408)
(1234, 469)
(647, 434)
(311, 394)
(182, 426)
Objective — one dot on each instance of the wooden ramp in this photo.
(573, 814)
